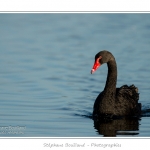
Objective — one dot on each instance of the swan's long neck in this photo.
(110, 87)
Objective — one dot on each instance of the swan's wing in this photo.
(126, 92)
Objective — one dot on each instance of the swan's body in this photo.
(114, 101)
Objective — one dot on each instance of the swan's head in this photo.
(101, 58)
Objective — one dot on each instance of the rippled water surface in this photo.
(45, 83)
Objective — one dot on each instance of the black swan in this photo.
(113, 102)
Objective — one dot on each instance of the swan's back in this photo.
(127, 101)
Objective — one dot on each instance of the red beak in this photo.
(96, 65)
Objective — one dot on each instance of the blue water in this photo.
(45, 60)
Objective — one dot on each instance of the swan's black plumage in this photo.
(114, 101)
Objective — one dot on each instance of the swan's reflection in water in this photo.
(123, 126)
